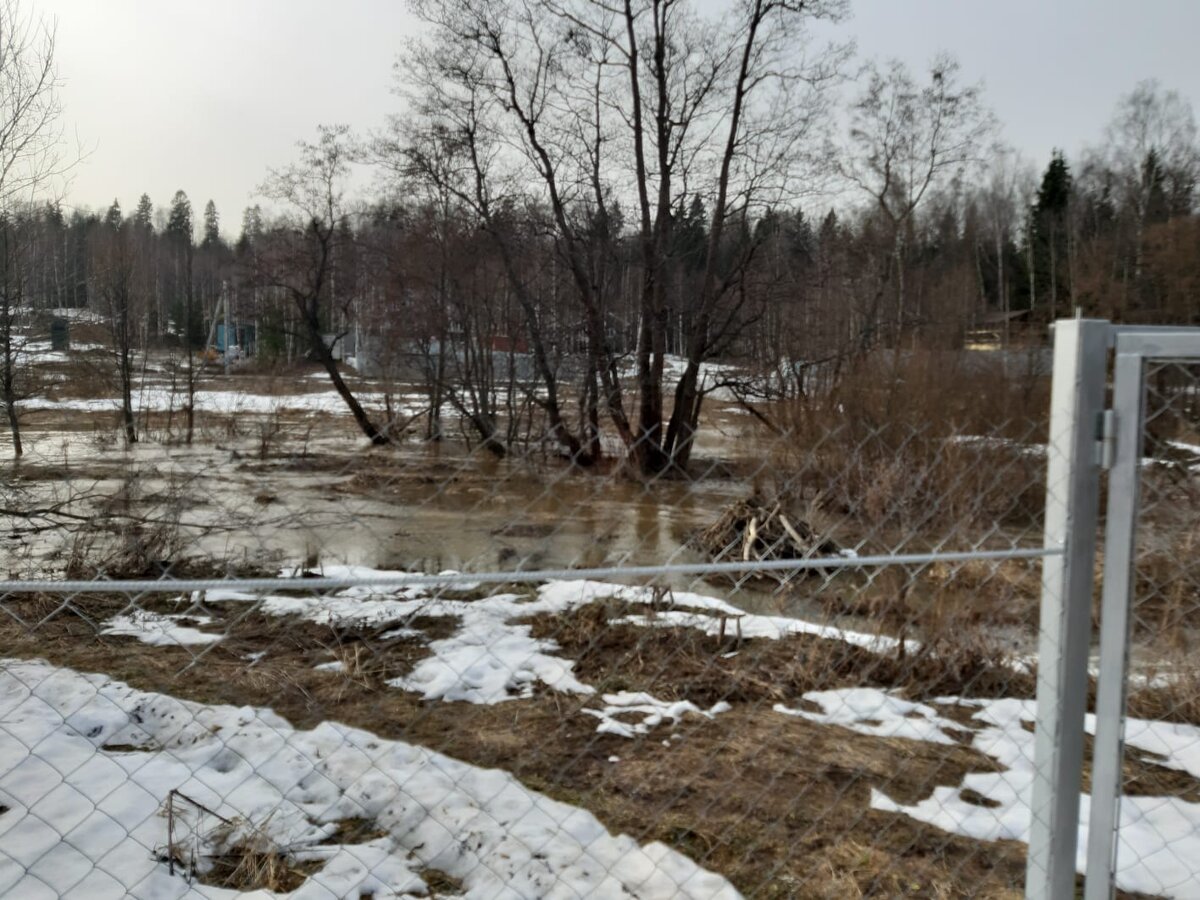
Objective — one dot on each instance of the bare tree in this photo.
(648, 106)
(451, 150)
(17, 381)
(30, 157)
(302, 257)
(905, 141)
(1004, 197)
(114, 284)
(1151, 120)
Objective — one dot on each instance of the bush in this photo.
(921, 444)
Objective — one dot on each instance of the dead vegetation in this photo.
(686, 663)
(1168, 690)
(777, 804)
(210, 849)
(1166, 592)
(940, 599)
(919, 444)
(758, 529)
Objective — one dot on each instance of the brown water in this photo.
(413, 507)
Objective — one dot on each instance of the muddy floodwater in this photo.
(332, 499)
(277, 480)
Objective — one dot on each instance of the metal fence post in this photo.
(1128, 391)
(1071, 516)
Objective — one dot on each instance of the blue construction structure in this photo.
(243, 338)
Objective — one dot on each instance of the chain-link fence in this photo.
(1144, 833)
(276, 660)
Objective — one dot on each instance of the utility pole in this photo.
(228, 330)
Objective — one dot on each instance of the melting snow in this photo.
(85, 823)
(160, 630)
(162, 398)
(1159, 838)
(652, 710)
(491, 658)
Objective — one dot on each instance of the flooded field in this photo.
(276, 478)
(662, 717)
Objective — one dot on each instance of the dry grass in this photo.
(1171, 691)
(205, 847)
(940, 599)
(919, 442)
(254, 861)
(1166, 605)
(778, 804)
(440, 882)
(685, 663)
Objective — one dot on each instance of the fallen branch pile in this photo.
(756, 529)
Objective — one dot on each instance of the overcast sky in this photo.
(204, 96)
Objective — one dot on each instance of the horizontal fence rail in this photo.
(517, 576)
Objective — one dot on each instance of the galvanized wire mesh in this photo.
(1156, 838)
(276, 659)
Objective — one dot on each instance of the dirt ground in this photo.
(779, 805)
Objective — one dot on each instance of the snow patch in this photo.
(160, 630)
(158, 399)
(491, 658)
(83, 822)
(653, 713)
(771, 628)
(873, 712)
(1159, 836)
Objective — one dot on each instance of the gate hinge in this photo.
(1106, 438)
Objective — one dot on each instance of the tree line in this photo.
(582, 205)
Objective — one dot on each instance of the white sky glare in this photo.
(205, 96)
(168, 94)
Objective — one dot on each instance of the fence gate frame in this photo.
(1086, 438)
(1134, 348)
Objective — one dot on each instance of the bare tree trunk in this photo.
(9, 373)
(324, 355)
(8, 378)
(14, 424)
(1002, 289)
(190, 407)
(558, 427)
(436, 395)
(127, 398)
(590, 414)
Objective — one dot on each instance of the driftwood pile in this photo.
(758, 529)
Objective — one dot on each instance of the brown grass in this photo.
(943, 599)
(685, 663)
(256, 862)
(777, 804)
(1174, 695)
(884, 449)
(245, 857)
(1166, 606)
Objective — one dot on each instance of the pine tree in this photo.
(179, 222)
(143, 216)
(212, 226)
(113, 218)
(1049, 236)
(185, 309)
(1154, 178)
(251, 227)
(800, 237)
